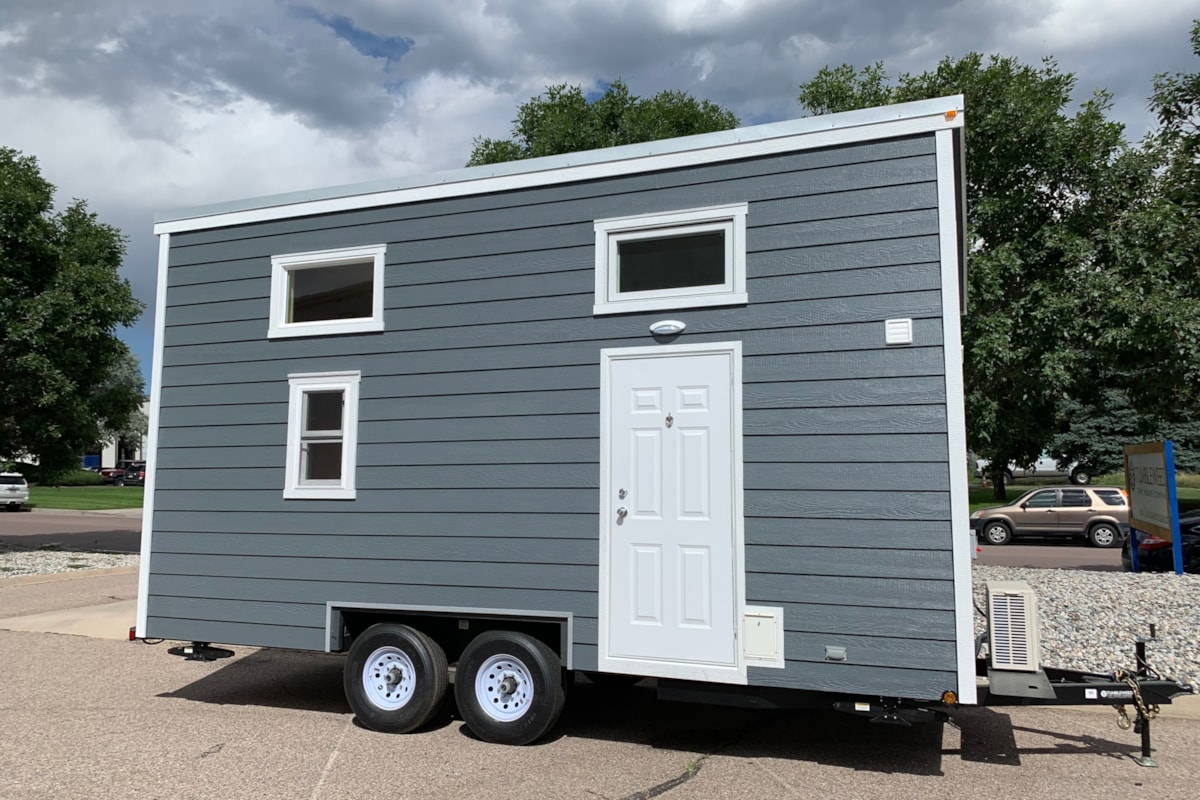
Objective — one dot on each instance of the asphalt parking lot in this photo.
(96, 715)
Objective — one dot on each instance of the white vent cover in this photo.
(1013, 626)
(898, 331)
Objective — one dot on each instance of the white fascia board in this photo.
(902, 119)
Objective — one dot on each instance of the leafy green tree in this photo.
(1033, 168)
(61, 301)
(562, 120)
(1152, 258)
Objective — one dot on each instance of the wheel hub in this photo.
(509, 684)
(394, 675)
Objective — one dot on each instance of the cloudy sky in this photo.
(142, 106)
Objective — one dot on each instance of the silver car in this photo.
(14, 491)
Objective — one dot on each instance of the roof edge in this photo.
(645, 156)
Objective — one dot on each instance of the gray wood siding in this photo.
(478, 454)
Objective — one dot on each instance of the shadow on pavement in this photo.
(313, 682)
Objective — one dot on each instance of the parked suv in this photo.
(134, 474)
(1099, 514)
(14, 491)
(114, 474)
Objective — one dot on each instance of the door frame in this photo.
(665, 669)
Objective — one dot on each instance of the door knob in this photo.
(621, 512)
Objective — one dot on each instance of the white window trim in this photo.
(610, 232)
(299, 384)
(283, 265)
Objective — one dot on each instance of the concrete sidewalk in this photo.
(103, 512)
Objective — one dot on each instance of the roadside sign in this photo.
(1150, 479)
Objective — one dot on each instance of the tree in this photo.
(61, 301)
(1153, 257)
(562, 120)
(1033, 170)
(125, 381)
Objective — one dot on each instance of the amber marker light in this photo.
(949, 697)
(951, 114)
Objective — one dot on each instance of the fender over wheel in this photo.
(395, 678)
(509, 687)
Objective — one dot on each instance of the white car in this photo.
(14, 491)
(1044, 467)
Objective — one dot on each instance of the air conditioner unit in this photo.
(1013, 626)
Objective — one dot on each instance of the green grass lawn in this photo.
(86, 498)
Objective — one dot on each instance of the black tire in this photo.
(509, 687)
(996, 532)
(1104, 534)
(1080, 476)
(118, 482)
(395, 678)
(13, 507)
(1008, 477)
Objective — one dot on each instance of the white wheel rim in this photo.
(504, 688)
(1103, 536)
(389, 678)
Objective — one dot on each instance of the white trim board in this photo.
(151, 449)
(902, 119)
(963, 540)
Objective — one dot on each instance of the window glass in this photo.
(671, 262)
(12, 480)
(341, 291)
(1041, 500)
(323, 411)
(1111, 497)
(1075, 498)
(322, 461)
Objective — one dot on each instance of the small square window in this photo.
(322, 435)
(327, 292)
(678, 259)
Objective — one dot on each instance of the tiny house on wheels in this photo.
(689, 410)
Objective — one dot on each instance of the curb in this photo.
(106, 512)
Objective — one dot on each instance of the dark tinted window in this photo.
(343, 291)
(11, 480)
(1075, 498)
(323, 411)
(1111, 497)
(672, 262)
(1041, 500)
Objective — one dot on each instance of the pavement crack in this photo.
(693, 769)
(694, 766)
(212, 751)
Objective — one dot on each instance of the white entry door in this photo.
(670, 529)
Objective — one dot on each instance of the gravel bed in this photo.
(1089, 619)
(17, 561)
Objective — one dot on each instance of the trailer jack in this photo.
(199, 651)
(1144, 689)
